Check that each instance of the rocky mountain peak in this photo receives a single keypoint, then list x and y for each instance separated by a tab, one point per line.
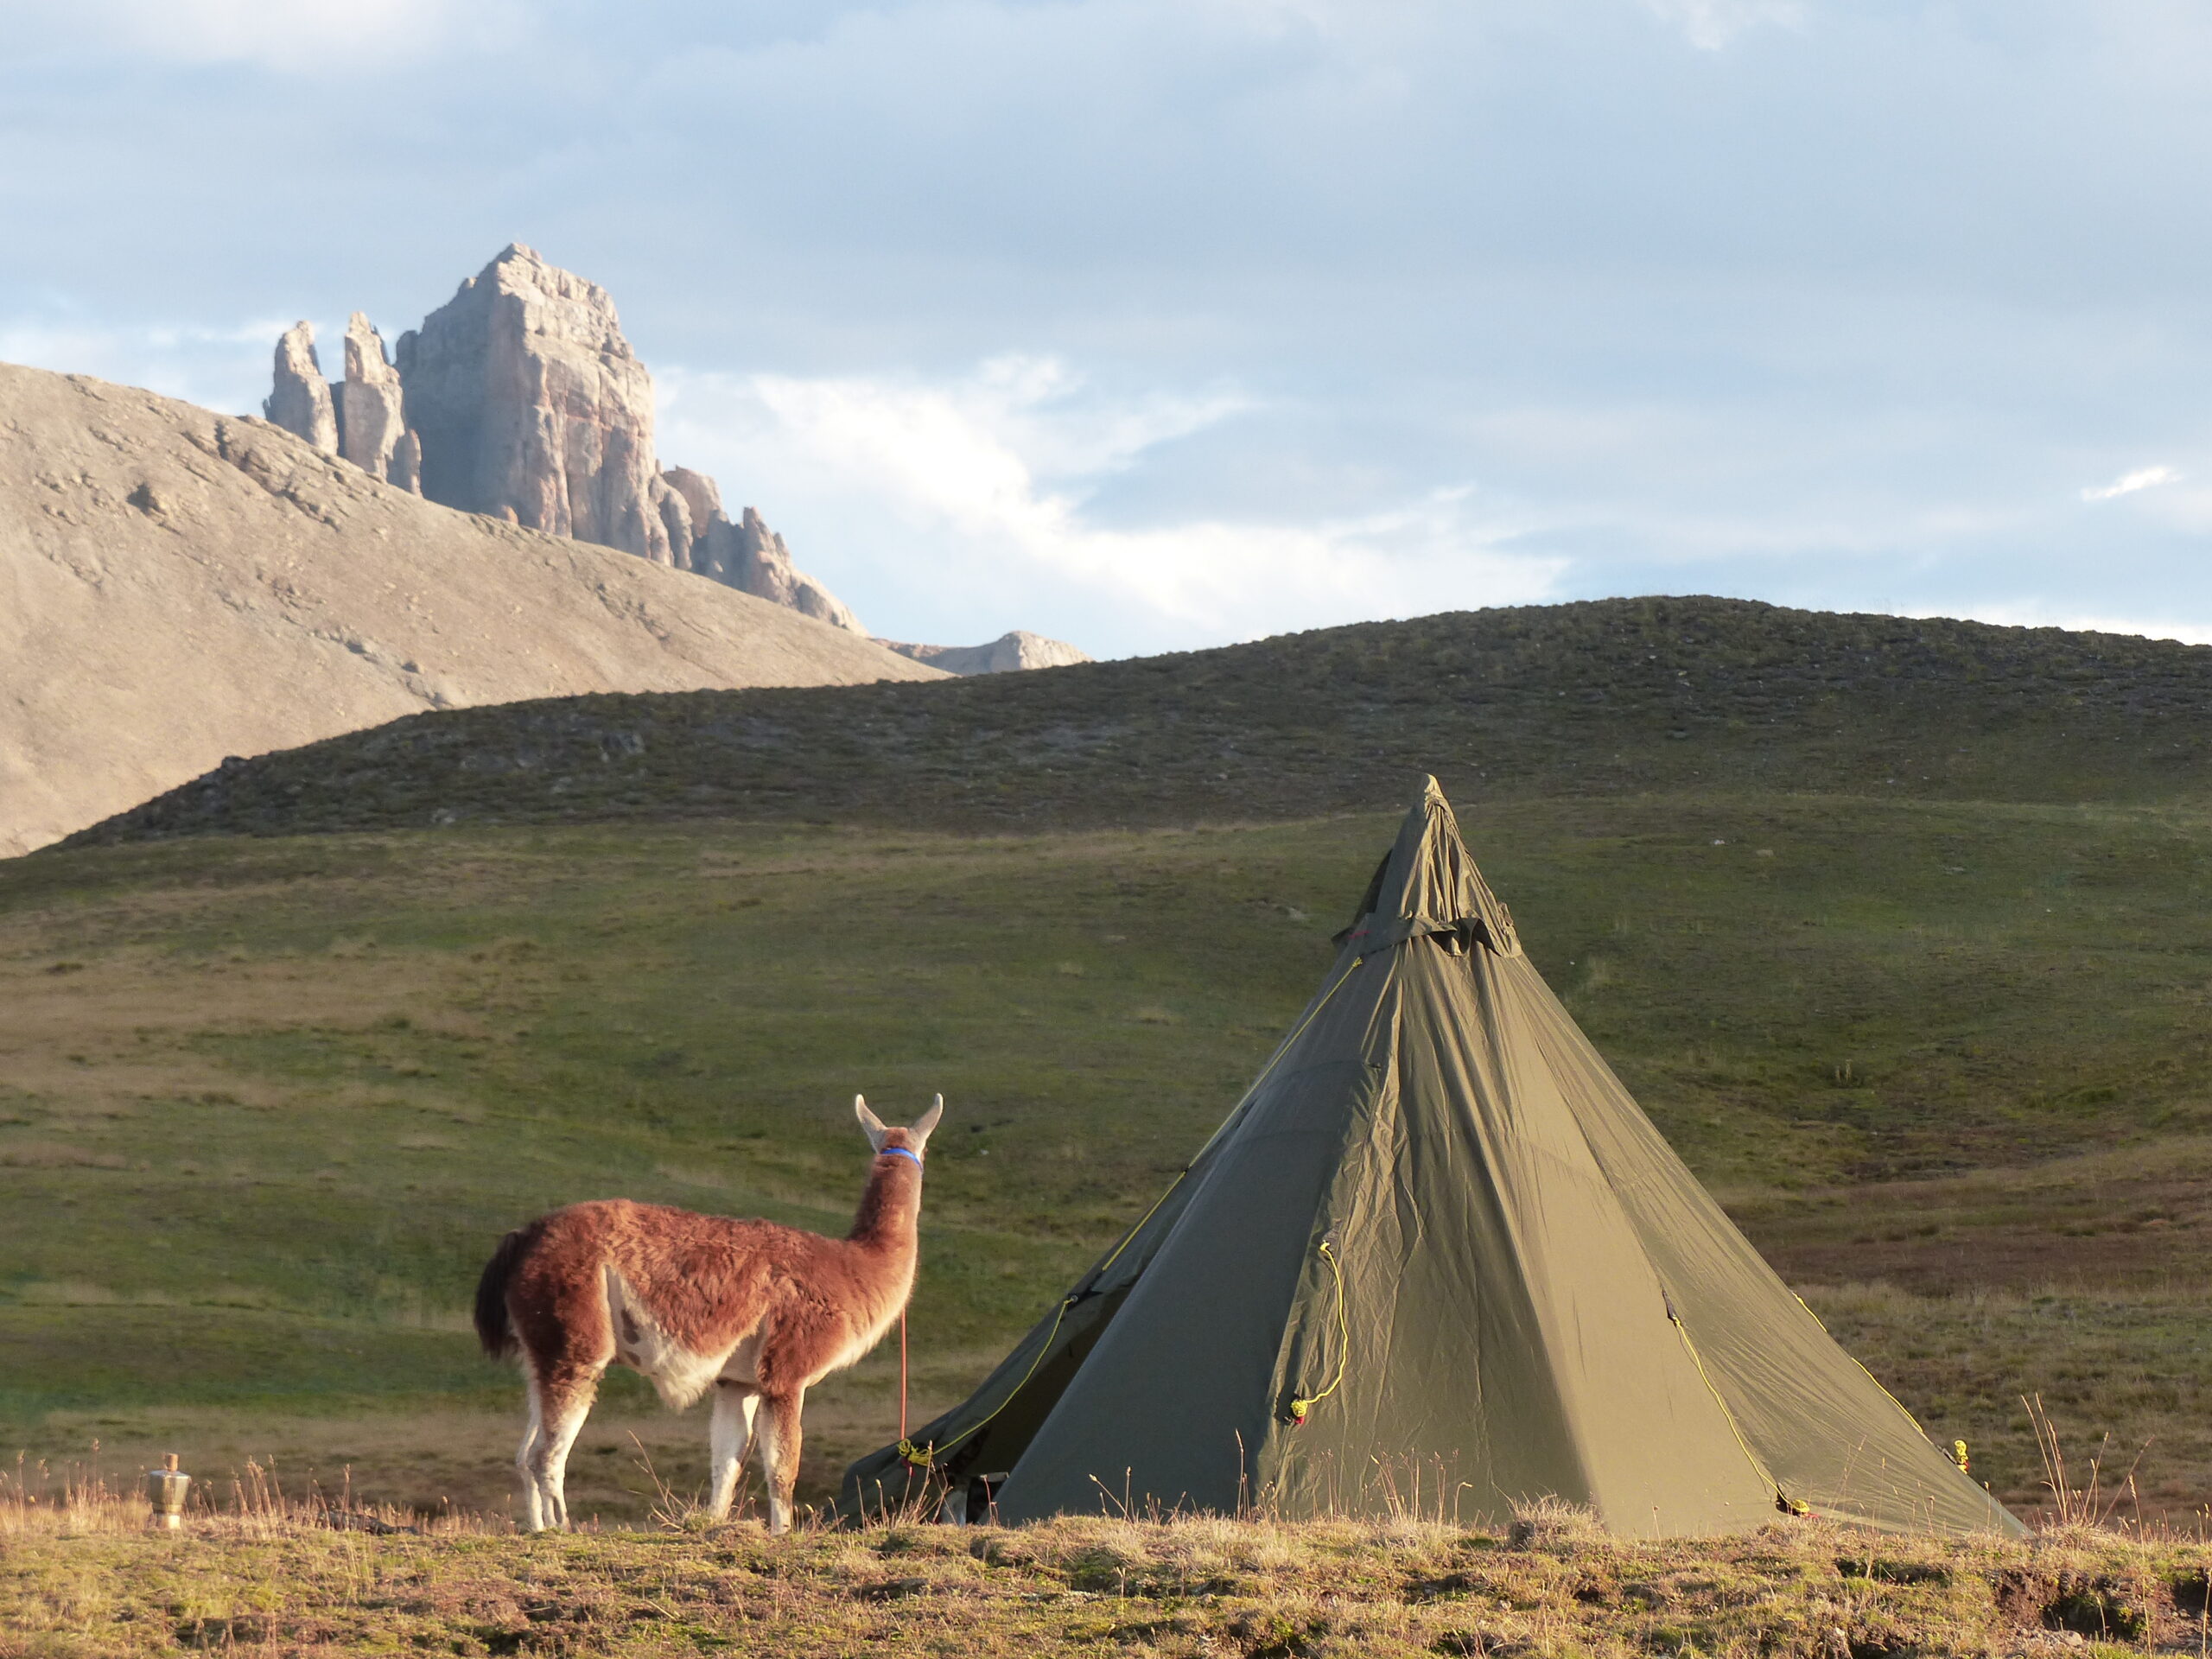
521	399
533	408
1006	654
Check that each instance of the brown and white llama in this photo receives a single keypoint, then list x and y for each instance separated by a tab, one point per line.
758	1312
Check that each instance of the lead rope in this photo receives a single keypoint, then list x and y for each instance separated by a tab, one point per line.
902	1376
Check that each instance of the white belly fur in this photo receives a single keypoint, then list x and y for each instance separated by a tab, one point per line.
678	1374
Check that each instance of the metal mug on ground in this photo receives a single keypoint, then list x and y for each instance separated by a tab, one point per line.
165	1488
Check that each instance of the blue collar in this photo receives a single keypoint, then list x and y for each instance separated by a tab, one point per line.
901	1151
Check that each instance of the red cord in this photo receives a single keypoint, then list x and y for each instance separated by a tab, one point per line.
902	1376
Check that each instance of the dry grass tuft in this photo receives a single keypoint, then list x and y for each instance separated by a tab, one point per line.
78	1500
1553	1523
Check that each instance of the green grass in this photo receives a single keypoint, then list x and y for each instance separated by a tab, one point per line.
266	1105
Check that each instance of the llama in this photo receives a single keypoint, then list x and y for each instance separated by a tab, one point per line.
758	1312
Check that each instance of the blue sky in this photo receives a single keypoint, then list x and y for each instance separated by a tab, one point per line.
1158	323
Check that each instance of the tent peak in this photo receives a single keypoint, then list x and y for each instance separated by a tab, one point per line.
1427	885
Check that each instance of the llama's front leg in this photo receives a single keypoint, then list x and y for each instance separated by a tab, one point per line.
729	1439
779	1449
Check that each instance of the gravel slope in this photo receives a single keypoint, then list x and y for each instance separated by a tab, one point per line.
177	586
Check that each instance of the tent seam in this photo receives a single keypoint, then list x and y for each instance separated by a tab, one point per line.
1765	1475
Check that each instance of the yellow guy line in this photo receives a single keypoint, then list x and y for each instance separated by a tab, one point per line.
1765	1475
1300	1407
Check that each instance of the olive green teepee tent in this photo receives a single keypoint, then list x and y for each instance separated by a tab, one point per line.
1436	1248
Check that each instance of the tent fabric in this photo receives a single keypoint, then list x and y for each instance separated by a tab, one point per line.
1436	1259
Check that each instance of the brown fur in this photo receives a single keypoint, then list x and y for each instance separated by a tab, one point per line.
759	1313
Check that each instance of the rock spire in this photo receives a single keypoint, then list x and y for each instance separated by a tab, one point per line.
299	401
370	422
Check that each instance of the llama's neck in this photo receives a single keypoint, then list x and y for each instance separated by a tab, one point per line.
891	1208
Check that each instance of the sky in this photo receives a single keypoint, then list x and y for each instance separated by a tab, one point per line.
1157	324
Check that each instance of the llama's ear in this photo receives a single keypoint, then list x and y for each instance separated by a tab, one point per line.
869	1122
927	1121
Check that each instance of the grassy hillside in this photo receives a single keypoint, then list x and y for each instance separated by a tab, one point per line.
1614	697
266	1104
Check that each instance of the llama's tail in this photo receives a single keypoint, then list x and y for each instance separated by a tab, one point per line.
494	1328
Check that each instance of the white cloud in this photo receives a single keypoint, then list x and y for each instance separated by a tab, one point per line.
991	480
974	448
1712	24
2143	478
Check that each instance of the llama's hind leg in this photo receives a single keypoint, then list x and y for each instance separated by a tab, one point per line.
533	1508
779	1450
730	1438
559	1410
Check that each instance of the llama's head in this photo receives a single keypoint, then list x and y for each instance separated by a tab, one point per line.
885	1138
